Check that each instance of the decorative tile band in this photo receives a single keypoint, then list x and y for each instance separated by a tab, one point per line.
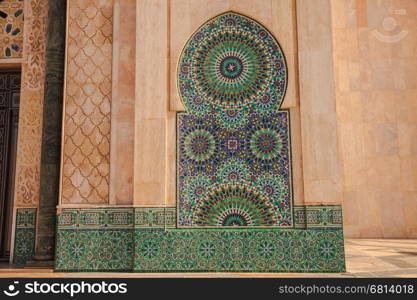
117	218
155	217
137	240
94	250
234	250
200	250
159	217
318	216
24	241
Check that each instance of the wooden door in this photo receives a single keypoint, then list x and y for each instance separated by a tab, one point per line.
9	116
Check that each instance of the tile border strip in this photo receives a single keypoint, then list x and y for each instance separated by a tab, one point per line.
25	231
128	217
329	216
319	217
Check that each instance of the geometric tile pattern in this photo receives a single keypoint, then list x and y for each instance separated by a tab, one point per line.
365	258
233	146
24	242
233	169
318	216
159	217
94	250
232	62
117	218
11	28
245	250
200	250
135	240
86	154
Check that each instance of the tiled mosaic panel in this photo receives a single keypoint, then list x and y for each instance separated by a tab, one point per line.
24	241
11	28
94	250
198	250
117	218
318	216
233	145
232	62
239	250
236	185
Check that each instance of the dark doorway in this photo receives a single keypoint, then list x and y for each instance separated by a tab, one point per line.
9	119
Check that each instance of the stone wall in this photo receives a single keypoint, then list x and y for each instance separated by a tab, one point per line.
123	102
92	218
87	112
31	104
375	53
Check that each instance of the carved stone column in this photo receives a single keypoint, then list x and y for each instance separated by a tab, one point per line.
51	135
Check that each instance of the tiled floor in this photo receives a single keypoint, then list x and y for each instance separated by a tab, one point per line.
364	258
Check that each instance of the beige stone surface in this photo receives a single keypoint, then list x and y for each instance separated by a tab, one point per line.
375	55
123	102
152	102
31	104
321	159
88	92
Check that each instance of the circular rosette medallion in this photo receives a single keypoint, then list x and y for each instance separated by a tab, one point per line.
233	170
200	145
234	205
267	249
209	250
233	118
149	249
327	248
232	62
234	68
266	144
